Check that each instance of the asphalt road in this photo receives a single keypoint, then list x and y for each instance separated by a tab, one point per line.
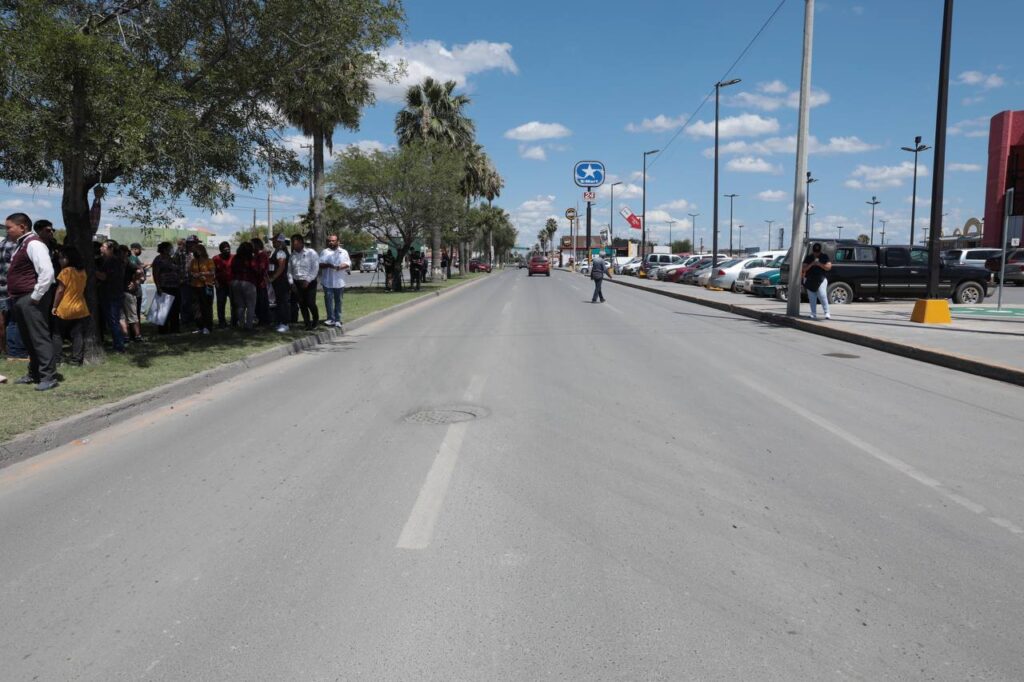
647	490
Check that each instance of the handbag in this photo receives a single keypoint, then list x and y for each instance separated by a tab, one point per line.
160	309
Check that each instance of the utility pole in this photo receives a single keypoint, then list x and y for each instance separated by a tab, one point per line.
800	185
740	228
643	209
770	223
270	222
730	197
611	214
883	230
714	237
807	228
670	224
874	202
939	160
693	228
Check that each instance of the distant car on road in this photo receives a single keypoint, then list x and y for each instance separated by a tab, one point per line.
477	265
539	265
369	264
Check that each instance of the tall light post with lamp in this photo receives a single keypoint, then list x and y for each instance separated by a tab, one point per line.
807	227
770	223
730	197
670	224
915	150
874	202
740	228
643	209
714	239
693	230
611	213
839	230
883	230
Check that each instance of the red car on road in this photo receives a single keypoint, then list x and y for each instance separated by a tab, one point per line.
539	265
477	265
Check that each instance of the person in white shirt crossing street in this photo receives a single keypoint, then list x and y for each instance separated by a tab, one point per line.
304	268
334	264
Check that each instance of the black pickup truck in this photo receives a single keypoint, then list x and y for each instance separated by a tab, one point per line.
869	271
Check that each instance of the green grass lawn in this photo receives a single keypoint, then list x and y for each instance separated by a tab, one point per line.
163	359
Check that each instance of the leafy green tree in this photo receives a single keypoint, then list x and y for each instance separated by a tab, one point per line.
434	113
343	40
399	196
682	246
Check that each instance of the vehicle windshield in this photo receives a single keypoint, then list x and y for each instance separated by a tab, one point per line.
728	263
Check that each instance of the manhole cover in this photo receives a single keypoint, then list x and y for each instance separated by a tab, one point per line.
445	415
842	356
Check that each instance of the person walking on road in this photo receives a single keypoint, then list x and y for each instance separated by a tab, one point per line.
815	275
334	263
304	267
598	271
30	287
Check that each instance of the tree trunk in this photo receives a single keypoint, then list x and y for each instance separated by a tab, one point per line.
435	254
75	210
319	198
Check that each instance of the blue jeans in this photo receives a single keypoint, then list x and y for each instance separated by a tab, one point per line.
332	300
821	293
112	313
15	346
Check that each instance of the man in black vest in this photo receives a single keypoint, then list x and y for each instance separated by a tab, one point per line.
30	286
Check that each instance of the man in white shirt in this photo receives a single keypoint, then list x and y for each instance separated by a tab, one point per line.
304	267
30	287
334	263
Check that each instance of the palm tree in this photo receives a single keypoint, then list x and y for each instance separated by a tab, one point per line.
434	113
550	227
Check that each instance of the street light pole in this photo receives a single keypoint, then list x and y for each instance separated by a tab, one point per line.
874	202
740	228
730	197
670	224
693	228
796	242
939	160
839	229
916	149
883	230
611	214
807	226
714	239
643	209
770	223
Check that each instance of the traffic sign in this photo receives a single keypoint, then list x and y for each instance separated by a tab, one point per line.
589	196
631	218
588	173
570	213
1015	242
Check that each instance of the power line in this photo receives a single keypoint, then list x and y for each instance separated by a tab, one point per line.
726	75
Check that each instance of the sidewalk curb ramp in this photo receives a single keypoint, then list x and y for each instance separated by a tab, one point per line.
68	429
960	363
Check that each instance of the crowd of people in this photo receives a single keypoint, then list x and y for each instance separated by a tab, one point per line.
43	291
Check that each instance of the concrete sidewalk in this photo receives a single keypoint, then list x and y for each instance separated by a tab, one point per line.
977	341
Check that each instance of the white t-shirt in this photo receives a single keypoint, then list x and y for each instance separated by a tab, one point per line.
329	278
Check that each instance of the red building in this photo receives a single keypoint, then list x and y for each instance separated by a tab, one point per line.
1005	171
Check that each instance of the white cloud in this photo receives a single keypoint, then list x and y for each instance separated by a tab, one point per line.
744	125
775	87
875	177
627	190
658	124
430	58
974	127
536	152
787	145
750	164
678	205
535	130
368	146
772	195
224	218
964	167
986	81
12	204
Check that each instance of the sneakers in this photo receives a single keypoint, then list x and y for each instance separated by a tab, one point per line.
828	316
282	328
206	331
26	380
329	323
47	385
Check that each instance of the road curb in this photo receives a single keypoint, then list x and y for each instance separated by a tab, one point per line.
68	429
960	363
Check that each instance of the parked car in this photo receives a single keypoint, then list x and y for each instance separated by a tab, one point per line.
691	276
893	271
745	280
539	265
725	273
477	265
1014	266
522	263
370	263
970	256
619	262
666	272
766	283
633	266
657	260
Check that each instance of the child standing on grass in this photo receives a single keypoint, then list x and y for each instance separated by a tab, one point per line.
69	304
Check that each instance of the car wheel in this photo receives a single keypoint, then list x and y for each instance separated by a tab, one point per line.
969	293
840	293
781	294
736	288
549	274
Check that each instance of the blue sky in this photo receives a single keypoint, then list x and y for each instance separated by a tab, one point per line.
552	83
